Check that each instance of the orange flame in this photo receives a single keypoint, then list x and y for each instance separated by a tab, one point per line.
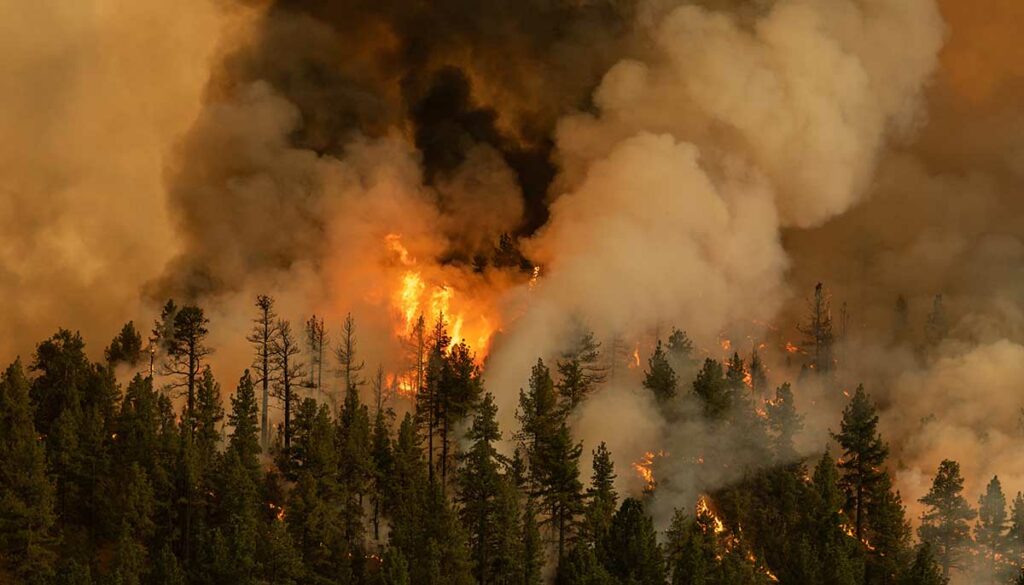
704	509
645	468
790	348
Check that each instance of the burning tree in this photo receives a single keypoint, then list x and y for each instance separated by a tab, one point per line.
818	331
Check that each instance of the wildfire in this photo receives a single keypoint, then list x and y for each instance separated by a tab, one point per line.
534	277
645	468
726	345
636	356
703	509
417	295
790	348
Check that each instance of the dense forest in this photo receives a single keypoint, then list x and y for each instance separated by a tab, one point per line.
172	478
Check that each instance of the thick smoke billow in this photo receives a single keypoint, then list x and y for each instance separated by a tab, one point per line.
699	164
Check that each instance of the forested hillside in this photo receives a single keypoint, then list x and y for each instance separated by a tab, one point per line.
174	477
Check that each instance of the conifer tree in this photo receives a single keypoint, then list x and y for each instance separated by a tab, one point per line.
126	347
1015	533
944	524
660	378
680	353
630	550
286	370
712	390
484	498
355	465
579	368
559	489
758	374
784	423
316	343
990	530
818	336
186	351
458	392
347	354
26	495
863	457
261	338
601	497
924	570
382	467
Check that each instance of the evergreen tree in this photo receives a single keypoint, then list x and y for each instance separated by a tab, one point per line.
458	392
818	331
862	461
582	567
990	530
579	369
1015	533
261	337
630	550
680	353
126	347
485	498
924	570
286	371
784	423
944	525
659	378
601	498
186	351
26	495
758	374
383	463
712	390
349	368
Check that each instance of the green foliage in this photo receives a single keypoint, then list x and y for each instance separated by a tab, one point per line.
944	525
26	495
659	377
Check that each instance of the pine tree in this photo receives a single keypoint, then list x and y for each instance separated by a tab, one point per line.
349	368
186	351
161	337
832	551
630	550
559	489
458	392
660	378
579	369
990	530
758	374
126	347
818	331
944	524
1015	533
784	423
712	391
316	344
355	465
582	567
286	371
483	496
924	570
680	353
601	497
26	495
862	460
260	337
244	438
382	467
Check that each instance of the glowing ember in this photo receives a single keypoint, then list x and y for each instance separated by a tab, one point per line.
726	345
790	348
534	277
